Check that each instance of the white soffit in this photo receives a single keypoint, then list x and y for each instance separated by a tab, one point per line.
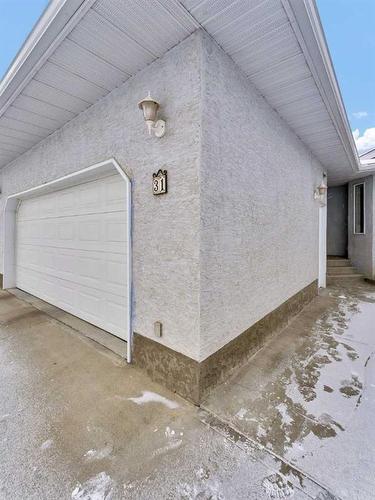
82	49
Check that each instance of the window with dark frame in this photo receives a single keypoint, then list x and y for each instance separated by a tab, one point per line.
359	208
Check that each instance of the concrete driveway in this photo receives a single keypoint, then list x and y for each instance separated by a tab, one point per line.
76	422
309	396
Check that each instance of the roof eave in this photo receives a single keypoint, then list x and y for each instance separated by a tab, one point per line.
61	16
57	20
305	20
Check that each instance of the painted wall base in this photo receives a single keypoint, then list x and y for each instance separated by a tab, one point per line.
193	380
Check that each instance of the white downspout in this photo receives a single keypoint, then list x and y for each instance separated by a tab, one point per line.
129	343
322	278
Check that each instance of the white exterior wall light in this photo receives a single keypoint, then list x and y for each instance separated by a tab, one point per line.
320	191
150	112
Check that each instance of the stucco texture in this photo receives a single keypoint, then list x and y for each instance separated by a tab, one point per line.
237	234
361	247
259	220
165	228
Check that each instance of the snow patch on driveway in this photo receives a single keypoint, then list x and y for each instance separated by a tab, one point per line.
99	487
153	397
278	487
95	454
46	444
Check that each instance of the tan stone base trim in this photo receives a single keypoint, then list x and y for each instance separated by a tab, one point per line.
172	369
193	380
217	367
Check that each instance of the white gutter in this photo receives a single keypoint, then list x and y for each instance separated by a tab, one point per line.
56	22
367	165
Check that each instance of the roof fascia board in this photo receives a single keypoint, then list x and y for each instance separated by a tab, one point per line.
56	22
304	18
368	163
370	154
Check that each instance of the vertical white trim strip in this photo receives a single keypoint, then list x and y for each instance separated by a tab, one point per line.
322	272
322	246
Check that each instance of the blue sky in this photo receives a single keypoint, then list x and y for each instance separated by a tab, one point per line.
349	28
17	18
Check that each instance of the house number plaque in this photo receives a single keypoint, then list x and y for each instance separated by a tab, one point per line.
159	182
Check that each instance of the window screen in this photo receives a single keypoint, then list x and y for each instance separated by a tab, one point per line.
359	208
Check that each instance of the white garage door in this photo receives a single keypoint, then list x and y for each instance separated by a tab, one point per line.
71	251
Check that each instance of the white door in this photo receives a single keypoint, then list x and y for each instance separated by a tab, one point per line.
71	251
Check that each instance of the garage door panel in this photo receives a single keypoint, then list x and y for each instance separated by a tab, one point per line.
77	260
66	231
36	284
98	232
97	307
106	195
87	267
114	195
115	312
99	270
89	230
115	270
115	231
90	303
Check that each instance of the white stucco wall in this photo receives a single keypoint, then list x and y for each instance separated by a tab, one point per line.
237	233
361	247
259	221
165	248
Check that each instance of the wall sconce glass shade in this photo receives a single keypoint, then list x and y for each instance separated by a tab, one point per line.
322	189
150	108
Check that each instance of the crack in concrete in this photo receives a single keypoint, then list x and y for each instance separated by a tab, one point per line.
347	339
231	433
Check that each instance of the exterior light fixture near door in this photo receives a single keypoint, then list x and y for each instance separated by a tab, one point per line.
320	191
150	108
